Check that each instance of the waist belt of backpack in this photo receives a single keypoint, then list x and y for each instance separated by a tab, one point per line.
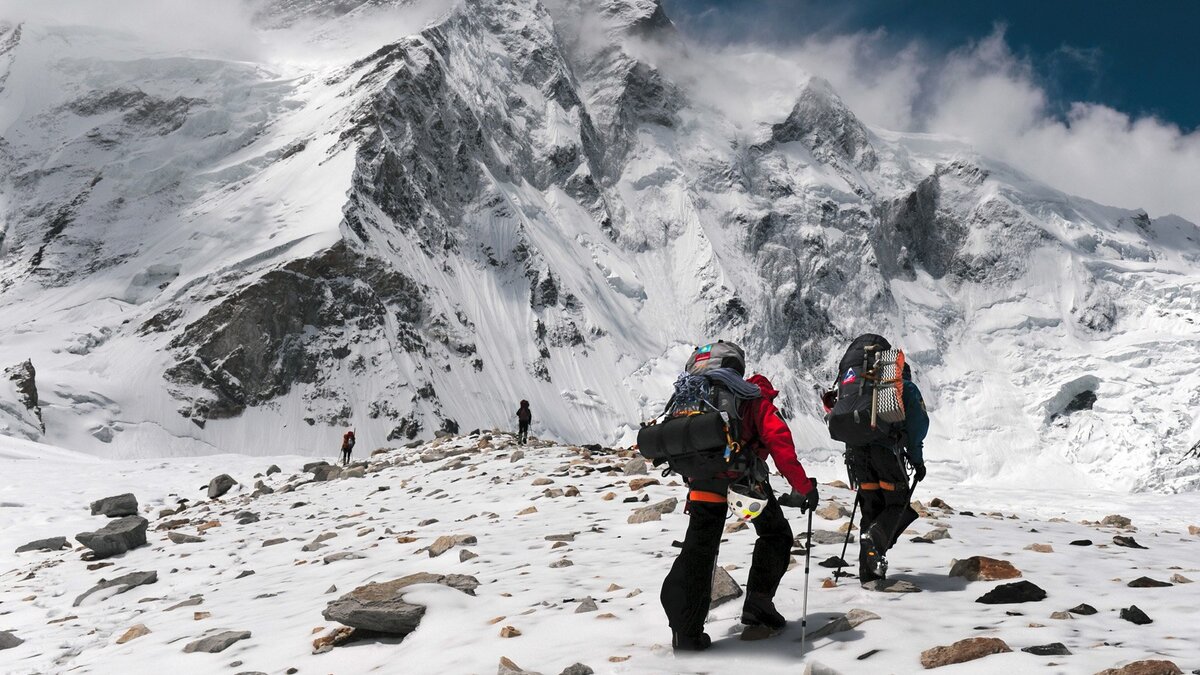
705	496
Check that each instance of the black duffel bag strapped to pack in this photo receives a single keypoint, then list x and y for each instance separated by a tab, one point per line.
692	445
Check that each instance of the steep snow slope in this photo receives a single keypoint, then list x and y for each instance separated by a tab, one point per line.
524	583
405	217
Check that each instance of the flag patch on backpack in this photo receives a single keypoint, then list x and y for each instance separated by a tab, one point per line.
851	377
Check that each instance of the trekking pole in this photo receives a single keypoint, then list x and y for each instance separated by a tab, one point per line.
845	544
807	560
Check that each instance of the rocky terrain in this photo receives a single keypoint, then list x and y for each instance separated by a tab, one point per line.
406	216
470	554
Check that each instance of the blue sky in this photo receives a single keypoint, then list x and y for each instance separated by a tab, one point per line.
1099	99
1138	57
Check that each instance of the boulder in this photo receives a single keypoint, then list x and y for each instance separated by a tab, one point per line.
326	472
1008	594
51	544
980	568
1147	667
381	606
8	640
724	588
118	536
122	584
963	651
635	467
218	642
218	486
312	466
116	507
355	472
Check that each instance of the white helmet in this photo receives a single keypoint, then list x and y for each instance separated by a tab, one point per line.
746	501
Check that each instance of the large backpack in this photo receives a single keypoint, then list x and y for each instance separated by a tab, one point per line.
870	402
700	435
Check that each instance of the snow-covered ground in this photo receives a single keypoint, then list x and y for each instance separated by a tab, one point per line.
480	491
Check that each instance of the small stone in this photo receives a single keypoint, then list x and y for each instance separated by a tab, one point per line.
122	583
204	527
343	555
200	616
587	605
937	534
133	633
527	510
273	469
635	466
466	554
559	564
833	511
516	456
828	583
427	521
1061	615
542	481
963	651
1147	582
8	640
736	526
891	586
571	491
273	542
1052	649
1133	614
848	621
639	483
181	538
724	588
1082	542
838	484
382	606
190	602
216	643
1127	542
338	636
1147	667
331	589
577	669
1180	579
1194	530
1040	548
1083	610
608	497
653	511
509	632
1116	521
613	587
1021	591
51	544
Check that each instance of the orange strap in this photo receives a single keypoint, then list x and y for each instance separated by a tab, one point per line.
702	496
868	486
887	486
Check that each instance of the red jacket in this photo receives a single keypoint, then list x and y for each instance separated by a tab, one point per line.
765	432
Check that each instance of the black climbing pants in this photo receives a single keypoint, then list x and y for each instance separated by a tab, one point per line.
345	457
522	432
882	493
687	590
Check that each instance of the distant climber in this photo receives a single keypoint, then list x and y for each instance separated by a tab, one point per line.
880	415
717	433
524	417
347	446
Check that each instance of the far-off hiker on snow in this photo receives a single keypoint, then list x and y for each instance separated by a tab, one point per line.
717	433
524	417
879	413
347	446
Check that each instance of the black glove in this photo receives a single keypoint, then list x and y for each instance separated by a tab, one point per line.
810	498
920	472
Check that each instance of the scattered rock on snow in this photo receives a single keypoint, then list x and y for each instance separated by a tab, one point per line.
218	486
1040	548
639	483
381	606
963	651
891	586
273	469
122	583
326	472
116	507
8	640
133	633
1133	614
509	632
1180	579
981	568
507	667
833	511
118	536
1004	594
587	605
1083	609
1116	521
51	544
1147	582
1082	542
1148	667
344	555
653	511
845	622
724	588
447	542
181	538
466	554
635	467
1127	542
218	642
1052	649
559	564
577	669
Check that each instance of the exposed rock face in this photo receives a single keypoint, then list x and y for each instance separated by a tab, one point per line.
963	651
117	537
115	507
24	380
381	607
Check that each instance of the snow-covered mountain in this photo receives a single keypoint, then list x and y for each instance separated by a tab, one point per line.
404	217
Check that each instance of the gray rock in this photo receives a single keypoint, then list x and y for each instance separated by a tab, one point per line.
845	622
216	643
344	555
937	534
516	456
220	485
507	667
653	511
51	544
381	607
577	669
635	467
891	586
824	537
247	517
326	472
119	536
587	605
466	554
116	507
313	466
724	588
122	583
275	541
181	538
355	472
190	602
8	640
273	469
